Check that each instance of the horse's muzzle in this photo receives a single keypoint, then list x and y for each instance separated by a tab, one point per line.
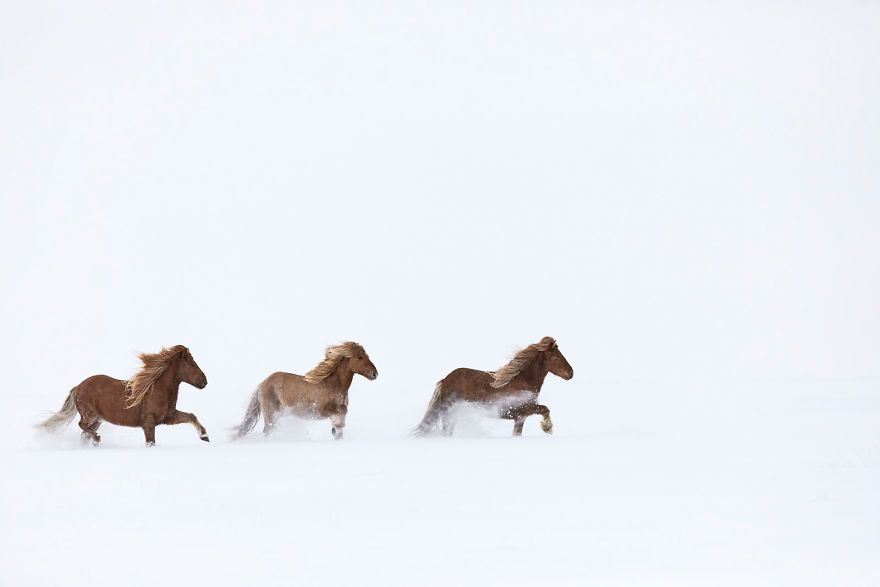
203	384
373	375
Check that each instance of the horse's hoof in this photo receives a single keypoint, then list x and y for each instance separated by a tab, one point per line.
149	444
205	438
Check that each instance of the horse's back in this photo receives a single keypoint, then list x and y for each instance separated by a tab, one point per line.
468	384
280	378
99	384
464	373
281	382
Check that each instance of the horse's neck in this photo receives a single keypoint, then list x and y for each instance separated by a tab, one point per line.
531	377
341	377
169	382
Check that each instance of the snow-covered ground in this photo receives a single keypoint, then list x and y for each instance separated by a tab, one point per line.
766	483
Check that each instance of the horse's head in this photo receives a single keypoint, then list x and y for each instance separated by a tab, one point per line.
361	364
189	372
555	362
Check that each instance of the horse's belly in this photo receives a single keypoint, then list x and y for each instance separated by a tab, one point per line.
508	400
306	410
112	409
308	404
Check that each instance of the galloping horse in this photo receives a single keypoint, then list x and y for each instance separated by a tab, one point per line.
144	401
320	393
512	391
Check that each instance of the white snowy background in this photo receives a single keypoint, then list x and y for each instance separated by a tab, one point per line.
685	195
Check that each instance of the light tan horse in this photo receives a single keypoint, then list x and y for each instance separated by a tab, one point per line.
320	393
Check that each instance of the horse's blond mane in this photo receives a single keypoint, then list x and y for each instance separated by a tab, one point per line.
137	388
505	374
332	356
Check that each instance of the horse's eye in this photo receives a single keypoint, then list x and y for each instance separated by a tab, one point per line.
360	358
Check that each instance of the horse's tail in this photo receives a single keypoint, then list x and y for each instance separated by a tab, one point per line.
250	417
59	420
432	415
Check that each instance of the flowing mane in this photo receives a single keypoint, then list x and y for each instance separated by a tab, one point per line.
137	388
505	374
332	356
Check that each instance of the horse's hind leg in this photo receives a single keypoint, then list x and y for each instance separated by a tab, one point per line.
447	426
89	425
270	419
271	407
89	419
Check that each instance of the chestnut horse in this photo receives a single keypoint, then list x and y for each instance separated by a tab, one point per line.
144	401
511	392
320	393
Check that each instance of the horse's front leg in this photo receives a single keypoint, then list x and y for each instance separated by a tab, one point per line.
149	426
520	414
337	418
546	423
179	417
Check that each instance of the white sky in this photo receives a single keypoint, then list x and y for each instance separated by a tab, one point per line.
674	191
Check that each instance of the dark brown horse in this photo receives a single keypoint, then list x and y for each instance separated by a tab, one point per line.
320	393
144	401
511	392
